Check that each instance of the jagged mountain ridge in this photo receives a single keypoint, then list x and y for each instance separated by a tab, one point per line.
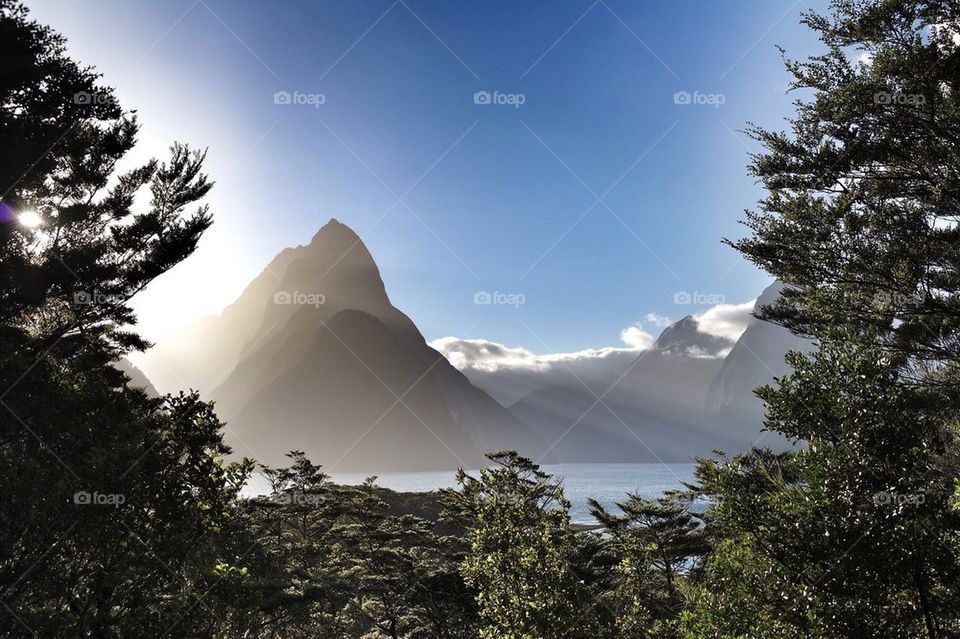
756	359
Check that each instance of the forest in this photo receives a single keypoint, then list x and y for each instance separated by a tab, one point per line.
121	514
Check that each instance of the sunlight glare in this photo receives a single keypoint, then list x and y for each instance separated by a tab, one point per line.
30	219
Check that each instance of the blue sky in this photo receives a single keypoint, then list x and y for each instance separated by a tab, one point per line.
492	197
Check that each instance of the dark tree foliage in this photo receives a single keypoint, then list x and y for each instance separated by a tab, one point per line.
660	545
853	533
114	504
332	561
860	220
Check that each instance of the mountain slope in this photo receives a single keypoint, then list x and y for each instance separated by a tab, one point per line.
653	412
313	356
756	359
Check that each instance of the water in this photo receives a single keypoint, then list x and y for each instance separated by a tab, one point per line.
607	483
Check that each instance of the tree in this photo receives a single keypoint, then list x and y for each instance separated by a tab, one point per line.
116	516
854	534
520	548
659	544
334	561
863	196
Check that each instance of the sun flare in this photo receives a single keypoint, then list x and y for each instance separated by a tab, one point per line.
30	219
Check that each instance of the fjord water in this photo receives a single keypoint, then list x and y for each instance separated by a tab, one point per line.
607	483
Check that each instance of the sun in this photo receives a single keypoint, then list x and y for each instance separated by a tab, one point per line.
30	219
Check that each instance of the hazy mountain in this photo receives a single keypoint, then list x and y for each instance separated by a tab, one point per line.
688	394
651	412
756	358
137	377
313	356
686	338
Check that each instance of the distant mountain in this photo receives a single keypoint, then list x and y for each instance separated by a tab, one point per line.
652	412
313	356
756	359
137	378
690	393
686	338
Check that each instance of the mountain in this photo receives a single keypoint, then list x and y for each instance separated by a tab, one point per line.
688	394
137	377
756	359
313	356
652	412
686	338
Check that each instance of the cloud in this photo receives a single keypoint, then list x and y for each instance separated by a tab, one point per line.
726	320
486	355
511	372
637	338
660	321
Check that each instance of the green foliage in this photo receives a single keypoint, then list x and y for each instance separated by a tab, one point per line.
863	194
854	533
520	549
117	507
660	546
333	561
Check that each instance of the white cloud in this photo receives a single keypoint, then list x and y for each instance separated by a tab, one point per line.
637	338
510	372
726	320
660	321
485	355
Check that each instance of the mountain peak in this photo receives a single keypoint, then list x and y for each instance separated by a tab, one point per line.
335	232
770	295
685	338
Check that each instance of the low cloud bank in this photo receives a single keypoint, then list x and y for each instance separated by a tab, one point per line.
508	373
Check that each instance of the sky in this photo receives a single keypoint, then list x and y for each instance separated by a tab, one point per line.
573	163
